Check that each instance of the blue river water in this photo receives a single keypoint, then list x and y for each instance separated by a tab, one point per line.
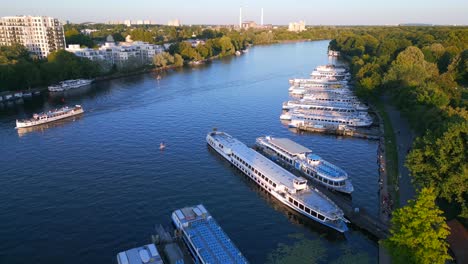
82	190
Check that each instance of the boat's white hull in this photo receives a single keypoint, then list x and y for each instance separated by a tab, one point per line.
69	87
48	120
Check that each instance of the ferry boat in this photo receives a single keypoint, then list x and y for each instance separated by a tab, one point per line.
331	97
331	72
69	84
43	118
312	165
299	117
147	254
313	82
301	91
290	190
324	105
333	53
205	239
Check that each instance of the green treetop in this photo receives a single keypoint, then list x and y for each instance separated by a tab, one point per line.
419	231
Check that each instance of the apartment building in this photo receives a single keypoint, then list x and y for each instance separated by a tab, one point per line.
119	53
41	35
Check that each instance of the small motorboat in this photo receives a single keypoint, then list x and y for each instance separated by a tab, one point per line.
162	146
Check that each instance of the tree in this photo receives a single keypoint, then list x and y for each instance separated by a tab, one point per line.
225	45
418	232
159	60
178	60
410	68
440	161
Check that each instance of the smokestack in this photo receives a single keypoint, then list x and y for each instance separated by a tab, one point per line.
261	20
240	17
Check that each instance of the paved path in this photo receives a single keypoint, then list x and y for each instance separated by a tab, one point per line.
404	137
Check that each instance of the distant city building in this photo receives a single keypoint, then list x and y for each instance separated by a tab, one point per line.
249	24
119	53
297	26
41	35
175	23
127	23
139	22
146	22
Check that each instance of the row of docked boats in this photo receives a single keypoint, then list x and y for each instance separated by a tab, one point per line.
13	96
324	101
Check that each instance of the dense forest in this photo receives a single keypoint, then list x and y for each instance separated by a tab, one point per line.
425	71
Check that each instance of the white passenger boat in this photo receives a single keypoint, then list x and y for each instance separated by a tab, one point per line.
301	90
333	53
300	117
330	72
331	97
302	159
69	84
51	116
288	189
324	105
314	82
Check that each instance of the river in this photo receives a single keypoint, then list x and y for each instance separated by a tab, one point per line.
85	189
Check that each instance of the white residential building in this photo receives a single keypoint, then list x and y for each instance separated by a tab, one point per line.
297	26
175	23
119	53
41	35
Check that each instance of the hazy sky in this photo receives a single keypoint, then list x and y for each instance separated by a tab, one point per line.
336	12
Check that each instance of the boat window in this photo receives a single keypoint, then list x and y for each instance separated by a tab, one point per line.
314	213
274	185
295	203
321	217
301	206
290	200
307	210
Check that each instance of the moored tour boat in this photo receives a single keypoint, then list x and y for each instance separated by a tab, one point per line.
69	84
302	159
50	116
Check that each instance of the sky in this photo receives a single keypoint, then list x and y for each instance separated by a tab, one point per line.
324	12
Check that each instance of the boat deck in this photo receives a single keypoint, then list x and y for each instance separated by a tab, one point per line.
209	240
266	166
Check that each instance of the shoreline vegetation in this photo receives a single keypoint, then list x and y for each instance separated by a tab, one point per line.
424	71
19	71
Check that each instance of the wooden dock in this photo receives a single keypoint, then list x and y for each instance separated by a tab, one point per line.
358	218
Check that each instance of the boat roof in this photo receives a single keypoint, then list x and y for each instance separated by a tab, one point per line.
289	145
147	254
206	235
320	202
262	164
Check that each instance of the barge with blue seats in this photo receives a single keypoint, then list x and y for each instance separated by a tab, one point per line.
207	242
